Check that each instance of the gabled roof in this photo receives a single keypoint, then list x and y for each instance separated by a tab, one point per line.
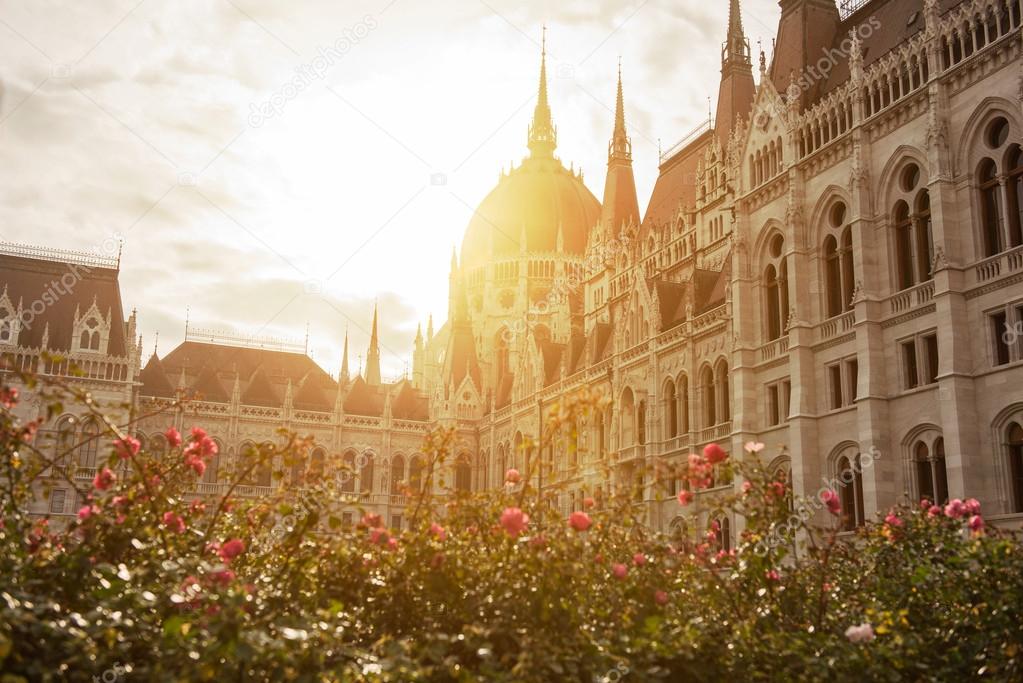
363	399
410	404
551	354
314	394
154	380
260	391
208	387
29	279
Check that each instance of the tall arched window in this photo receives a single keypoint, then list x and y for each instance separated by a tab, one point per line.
212	472
317	466
628	418
683	401
833	276
641	423
264	472
1014	187
710	415
924	238
65	441
348	472
776	290
670	410
1015	444
723	394
850	491
721	527
89	443
397	474
601	435
415	474
990	207
931	476
483	471
463	474
367	473
904	246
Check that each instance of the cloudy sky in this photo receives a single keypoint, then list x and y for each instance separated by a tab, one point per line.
273	165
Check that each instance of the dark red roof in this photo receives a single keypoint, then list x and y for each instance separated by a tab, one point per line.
30	280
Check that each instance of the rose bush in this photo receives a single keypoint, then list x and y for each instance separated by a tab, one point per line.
152	581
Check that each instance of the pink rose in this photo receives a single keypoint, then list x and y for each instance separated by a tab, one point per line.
933	511
971	506
639	559
772	575
198	433
392	543
378	536
222	577
955	509
173	437
512	476
660	597
619	570
438	531
685	497
86	512
231	549
173	521
754	446
372	521
588	503
893	520
197	465
831	500
514	521
747	486
580	521
128	447
976	523
104	479
9	397
714	454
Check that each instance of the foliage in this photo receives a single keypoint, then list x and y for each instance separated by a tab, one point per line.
150	582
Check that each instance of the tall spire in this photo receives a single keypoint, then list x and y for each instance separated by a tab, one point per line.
621	145
736	48
543	136
621	205
345	376
373	355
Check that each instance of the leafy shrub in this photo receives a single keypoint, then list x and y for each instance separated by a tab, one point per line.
151	583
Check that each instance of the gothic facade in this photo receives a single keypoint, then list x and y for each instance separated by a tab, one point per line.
833	264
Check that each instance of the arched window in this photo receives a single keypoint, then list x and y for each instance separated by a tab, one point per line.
721	527
990	207
924	238
931	476
683	407
1015	443
463	474
850	491
670	410
710	416
599	426
483	470
158	446
776	290
723	394
264	471
833	276
781	471
211	474
366	474
641	423
773	311
397	474
839	273
65	441
628	418
348	472
904	246
89	443
415	475
1014	185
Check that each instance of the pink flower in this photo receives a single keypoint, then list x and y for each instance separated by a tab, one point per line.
86	512
128	447
660	597
714	454
925	504
747	486
222	577
372	521
893	520
933	511
772	575
9	397
198	433
831	500
777	488
588	503
639	559
438	531
754	446
619	570
173	521
512	476
971	506
976	523
685	497
392	543
104	479
955	509
378	536
514	521
580	521
197	465
173	437
864	633
231	549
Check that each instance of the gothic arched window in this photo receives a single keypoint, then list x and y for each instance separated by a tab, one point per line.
776	290
1015	443
990	207
366	474
839	276
415	474
850	491
1014	185
397	474
90	443
670	410
348	472
931	476
710	415
463	474
922	228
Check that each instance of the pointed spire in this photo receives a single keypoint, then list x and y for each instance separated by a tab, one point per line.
345	376
429	328
621	146
736	48
543	136
373	355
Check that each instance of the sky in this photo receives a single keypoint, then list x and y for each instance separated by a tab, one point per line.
273	167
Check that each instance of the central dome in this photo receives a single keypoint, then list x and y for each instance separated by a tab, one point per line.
534	201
